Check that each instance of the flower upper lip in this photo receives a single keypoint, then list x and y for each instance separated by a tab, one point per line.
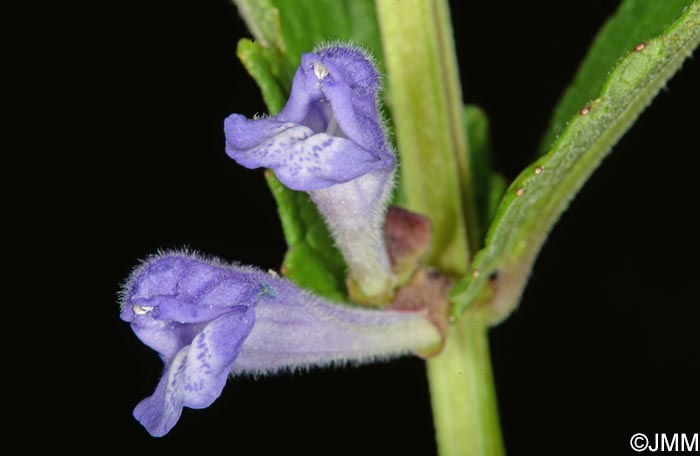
329	132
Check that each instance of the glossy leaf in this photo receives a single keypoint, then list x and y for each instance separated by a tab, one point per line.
540	194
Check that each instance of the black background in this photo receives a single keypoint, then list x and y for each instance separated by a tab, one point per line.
124	155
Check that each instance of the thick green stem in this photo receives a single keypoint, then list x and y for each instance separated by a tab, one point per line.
426	105
462	392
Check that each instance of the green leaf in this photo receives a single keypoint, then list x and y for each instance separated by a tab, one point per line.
479	146
426	105
312	260
263	21
263	66
634	22
537	197
497	188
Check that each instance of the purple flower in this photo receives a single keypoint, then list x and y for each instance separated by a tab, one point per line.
207	320
330	141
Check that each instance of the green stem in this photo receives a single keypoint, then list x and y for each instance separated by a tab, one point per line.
462	392
426	103
426	106
457	129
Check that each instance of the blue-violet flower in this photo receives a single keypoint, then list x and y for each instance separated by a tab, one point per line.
329	140
207	320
